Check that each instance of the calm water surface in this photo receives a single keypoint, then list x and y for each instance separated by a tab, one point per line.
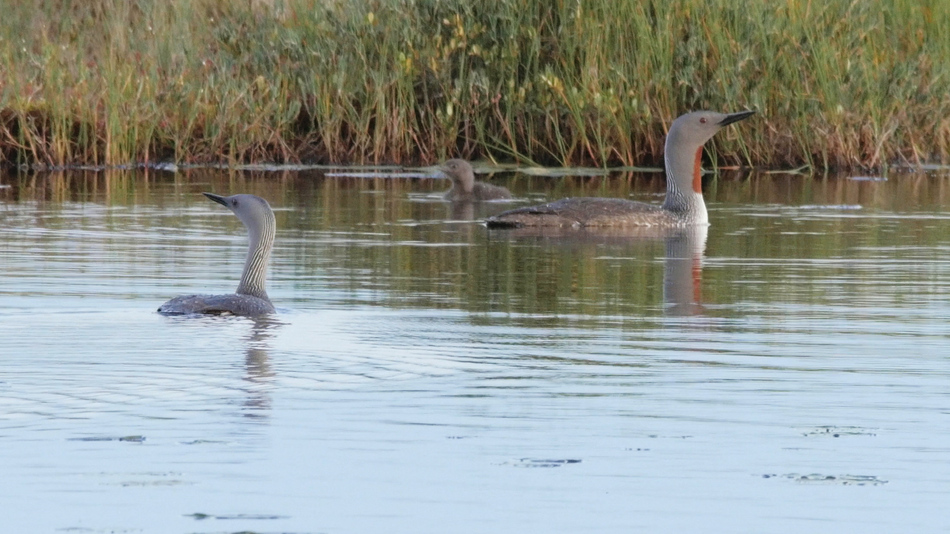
787	371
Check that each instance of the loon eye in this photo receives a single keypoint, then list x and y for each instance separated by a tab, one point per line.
234	203
702	120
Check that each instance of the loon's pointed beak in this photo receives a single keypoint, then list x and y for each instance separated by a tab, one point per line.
217	198
736	117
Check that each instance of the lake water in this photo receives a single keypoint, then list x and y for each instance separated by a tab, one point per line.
789	371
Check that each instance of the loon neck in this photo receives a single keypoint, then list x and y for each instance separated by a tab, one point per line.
466	182
254	278
684	186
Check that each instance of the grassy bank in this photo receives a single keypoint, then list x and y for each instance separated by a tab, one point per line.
594	82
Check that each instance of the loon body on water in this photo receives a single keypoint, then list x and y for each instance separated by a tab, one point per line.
683	206
251	297
464	186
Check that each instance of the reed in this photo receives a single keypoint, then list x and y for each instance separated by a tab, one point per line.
595	82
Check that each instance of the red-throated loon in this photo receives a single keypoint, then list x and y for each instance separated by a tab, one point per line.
683	206
464	186
251	297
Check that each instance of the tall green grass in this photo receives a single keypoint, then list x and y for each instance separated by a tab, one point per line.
594	82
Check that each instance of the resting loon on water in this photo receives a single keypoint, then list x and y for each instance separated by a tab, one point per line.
683	206
464	186
251	297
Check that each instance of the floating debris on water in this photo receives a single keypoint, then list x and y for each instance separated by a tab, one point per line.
153	483
167	166
144	479
536	462
829	207
867	178
838	431
379	174
557	172
923	167
836	480
259	517
797	170
132	439
106	530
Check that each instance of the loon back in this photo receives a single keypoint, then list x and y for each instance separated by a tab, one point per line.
244	305
480	192
584	212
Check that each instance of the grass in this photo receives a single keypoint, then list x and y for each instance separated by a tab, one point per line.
838	84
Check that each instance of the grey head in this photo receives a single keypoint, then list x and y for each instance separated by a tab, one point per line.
697	127
461	173
683	156
253	210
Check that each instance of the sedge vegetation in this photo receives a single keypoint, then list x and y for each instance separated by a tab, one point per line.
837	83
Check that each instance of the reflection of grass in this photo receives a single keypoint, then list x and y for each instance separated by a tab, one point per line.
837	83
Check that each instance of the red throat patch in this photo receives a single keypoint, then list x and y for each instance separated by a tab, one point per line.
697	173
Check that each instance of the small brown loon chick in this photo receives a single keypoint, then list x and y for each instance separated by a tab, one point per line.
251	299
683	206
464	186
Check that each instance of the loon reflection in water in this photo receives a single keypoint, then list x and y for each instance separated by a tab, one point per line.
682	264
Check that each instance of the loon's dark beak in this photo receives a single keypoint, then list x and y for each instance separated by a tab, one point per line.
217	198
732	117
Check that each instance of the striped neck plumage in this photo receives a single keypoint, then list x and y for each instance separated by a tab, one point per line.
260	243
684	193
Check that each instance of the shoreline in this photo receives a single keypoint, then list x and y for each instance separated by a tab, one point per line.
837	86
